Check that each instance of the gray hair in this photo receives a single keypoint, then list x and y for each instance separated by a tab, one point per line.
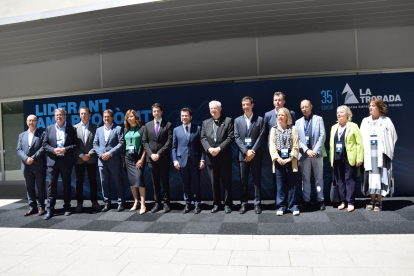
310	104
214	102
347	111
60	110
31	116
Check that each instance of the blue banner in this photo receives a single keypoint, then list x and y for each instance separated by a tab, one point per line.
325	93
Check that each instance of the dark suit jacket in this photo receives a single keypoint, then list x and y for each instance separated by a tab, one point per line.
88	146
270	120
225	136
114	146
256	132
160	145
184	149
50	143
35	150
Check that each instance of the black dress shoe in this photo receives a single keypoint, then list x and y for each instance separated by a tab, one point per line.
197	209
243	209
106	208
322	206
156	208
227	209
30	212
120	208
304	205
215	209
257	209
49	215
166	208
186	209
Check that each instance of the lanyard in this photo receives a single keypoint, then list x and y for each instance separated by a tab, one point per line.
129	134
284	138
60	133
340	133
307	128
247	128
374	128
215	127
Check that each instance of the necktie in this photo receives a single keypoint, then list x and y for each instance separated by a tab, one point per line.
186	130
156	129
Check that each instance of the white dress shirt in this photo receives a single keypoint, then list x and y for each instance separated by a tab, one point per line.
248	120
60	135
107	131
31	135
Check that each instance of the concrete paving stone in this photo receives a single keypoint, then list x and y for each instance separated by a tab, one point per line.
276	229
53	250
208	218
380	259
15	247
110	253
22	236
342	271
208	270
318	216
314	244
145	217
148	255
320	259
278	236
236	217
351	244
115	216
191	243
166	227
201	228
393	243
202	257
36	265
273	271
72	224
397	271
263	258
89	267
60	237
132	226
100	238
152	269
176	217
144	242
238	228
7	261
100	225
242	244
208	236
272	218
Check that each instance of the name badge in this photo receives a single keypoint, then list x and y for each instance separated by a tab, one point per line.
59	143
338	147
285	152
374	140
131	149
307	139
248	141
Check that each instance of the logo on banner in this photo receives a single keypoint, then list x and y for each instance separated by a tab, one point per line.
350	96
366	95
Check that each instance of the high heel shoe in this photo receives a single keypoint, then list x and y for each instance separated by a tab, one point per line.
133	208
143	211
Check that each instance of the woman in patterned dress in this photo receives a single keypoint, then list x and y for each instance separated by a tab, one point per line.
379	137
284	151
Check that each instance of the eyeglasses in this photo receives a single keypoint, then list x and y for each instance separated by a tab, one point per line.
305	107
31	121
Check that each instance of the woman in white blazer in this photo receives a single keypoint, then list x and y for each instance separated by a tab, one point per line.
379	138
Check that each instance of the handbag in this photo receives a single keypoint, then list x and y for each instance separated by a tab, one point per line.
334	195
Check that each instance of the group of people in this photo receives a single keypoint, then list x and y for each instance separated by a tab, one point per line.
292	144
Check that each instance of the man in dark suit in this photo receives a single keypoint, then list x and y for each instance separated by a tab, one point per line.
248	133
270	120
189	156
157	142
30	150
86	159
217	134
60	143
108	145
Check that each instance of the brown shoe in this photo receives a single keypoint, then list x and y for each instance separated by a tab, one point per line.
41	212
30	212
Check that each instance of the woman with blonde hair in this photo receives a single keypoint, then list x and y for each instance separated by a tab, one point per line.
346	154
284	151
134	157
379	136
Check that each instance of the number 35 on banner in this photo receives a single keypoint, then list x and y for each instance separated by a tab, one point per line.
327	96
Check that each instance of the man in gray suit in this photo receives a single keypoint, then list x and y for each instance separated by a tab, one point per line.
30	150
85	159
311	131
108	144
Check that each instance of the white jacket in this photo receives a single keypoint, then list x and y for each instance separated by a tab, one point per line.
387	137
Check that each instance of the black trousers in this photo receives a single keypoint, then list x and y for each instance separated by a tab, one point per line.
65	172
91	168
221	170
256	168
35	178
345	175
160	172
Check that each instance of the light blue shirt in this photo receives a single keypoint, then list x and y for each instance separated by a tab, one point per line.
60	134
107	131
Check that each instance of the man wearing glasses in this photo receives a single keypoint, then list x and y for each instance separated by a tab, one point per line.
30	150
311	131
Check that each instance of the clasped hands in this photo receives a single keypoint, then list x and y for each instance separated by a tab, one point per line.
283	161
214	151
29	161
86	157
59	151
155	157
250	154
105	156
177	165
311	153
